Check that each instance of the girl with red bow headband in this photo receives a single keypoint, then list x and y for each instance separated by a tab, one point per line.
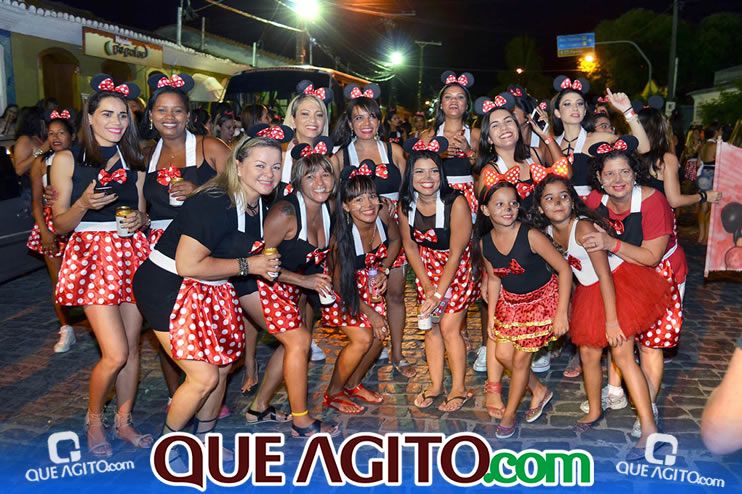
366	239
605	310
645	234
527	302
440	256
359	135
569	110
99	265
43	240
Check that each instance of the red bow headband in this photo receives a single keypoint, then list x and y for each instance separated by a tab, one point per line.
320	148
568	84
602	100
560	168
108	85
275	133
438	144
421	145
357	93
321	93
543	105
484	105
452	79
491	177
364	170
515	91
606	148
174	81
64	114
562	83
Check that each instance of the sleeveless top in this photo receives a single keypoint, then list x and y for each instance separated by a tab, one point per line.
629	229
433	232
525	191
457	168
82	175
521	270
581	164
386	187
297	254
47	170
363	258
157	194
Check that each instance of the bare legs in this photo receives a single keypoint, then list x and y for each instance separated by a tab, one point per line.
396	314
519	365
53	264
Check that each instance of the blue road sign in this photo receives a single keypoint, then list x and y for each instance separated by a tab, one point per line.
570	45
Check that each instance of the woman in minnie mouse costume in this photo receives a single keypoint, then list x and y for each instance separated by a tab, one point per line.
184	291
645	234
534	137
440	256
451	116
298	225
357	134
98	266
367	241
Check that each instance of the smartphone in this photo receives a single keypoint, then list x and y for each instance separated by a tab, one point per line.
535	117
106	189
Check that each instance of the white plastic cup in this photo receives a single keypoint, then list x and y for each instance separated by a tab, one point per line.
424	323
327	298
173	201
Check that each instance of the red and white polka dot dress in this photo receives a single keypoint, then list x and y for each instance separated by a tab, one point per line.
206	323
465	291
98	268
280	304
34	239
665	333
154	235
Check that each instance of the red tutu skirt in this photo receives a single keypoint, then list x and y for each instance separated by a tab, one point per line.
206	323
525	319
467	188
280	304
98	268
641	297
665	332
465	290
154	236
34	239
336	315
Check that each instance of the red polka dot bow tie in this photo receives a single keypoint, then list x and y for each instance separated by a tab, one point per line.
382	171
490	177
574	262
560	168
357	93
65	114
119	176
108	85
166	175
320	148
275	133
618	226
288	189
375	257
362	170
603	100
462	79
619	145
428	236
513	268
317	256
567	83
173	81
523	189
319	92
421	145
257	247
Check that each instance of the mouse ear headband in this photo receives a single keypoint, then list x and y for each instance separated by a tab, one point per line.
184	82
353	91
103	83
625	145
367	168
563	82
322	146
484	105
438	144
323	93
61	113
280	133
465	79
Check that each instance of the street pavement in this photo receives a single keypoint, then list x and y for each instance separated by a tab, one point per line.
42	392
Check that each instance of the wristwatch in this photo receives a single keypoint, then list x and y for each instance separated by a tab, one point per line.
385	270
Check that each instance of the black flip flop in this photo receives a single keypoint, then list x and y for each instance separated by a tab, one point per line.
266	416
310	430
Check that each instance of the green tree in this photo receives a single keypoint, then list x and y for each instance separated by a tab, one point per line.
727	108
718	41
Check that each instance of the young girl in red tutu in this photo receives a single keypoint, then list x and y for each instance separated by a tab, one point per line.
605	307
527	302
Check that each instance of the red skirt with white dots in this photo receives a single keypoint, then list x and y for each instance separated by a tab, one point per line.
206	323
525	319
280	304
154	235
336	315
98	268
34	239
465	290
665	332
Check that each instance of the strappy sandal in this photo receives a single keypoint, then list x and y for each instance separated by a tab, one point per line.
506	431
404	368
143	441
425	397
175	459
494	388
336	402
463	398
227	454
270	414
356	393
534	413
101	449
312	429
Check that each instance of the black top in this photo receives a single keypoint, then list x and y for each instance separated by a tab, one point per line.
389	185
629	229
423	224
456	167
535	271
211	219
656	184
295	251
158	196
581	169
85	172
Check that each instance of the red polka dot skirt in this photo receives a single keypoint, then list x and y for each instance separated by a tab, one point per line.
525	319
467	188
665	333
98	268
154	236
465	290
206	323
280	304
34	239
336	315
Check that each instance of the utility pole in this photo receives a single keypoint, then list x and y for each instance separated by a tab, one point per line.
671	71
422	45
179	24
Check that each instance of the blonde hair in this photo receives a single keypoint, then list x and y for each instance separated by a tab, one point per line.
228	181
306	165
290	119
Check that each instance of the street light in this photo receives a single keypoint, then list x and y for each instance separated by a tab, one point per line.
520	70
396	58
307	10
589	58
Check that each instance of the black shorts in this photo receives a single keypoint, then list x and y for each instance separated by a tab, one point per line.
156	290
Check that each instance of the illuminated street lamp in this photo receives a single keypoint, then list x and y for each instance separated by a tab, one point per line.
520	70
588	63
590	58
396	58
307	10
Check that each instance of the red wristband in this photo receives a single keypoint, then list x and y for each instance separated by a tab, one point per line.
616	247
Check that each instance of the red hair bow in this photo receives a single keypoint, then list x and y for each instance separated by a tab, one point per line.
462	79
513	268
317	256
433	145
428	236
574	262
617	226
568	84
382	171
257	247
619	145
603	99
320	92
174	81
288	189
543	105
166	175
320	148
491	177
523	189
362	170
560	168
108	85
65	114
515	91
357	93
374	258
275	133
119	176
498	102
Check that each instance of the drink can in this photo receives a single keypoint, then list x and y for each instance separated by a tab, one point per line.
122	212
173	201
269	251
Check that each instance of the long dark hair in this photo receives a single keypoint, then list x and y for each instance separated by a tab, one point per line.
556	121
487	151
579	208
597	163
128	145
407	193
251	115
30	122
440	117
658	131
342	134
345	250
199	119
149	131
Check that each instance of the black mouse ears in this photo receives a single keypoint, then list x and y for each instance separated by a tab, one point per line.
184	82
484	105
307	87
322	146
280	133
104	83
563	82
438	144
625	144
465	79
353	91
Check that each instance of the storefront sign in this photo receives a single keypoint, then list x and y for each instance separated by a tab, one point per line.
106	45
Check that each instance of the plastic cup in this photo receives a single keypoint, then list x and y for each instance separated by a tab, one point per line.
326	298
424	323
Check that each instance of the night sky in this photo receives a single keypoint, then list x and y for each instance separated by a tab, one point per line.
473	33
